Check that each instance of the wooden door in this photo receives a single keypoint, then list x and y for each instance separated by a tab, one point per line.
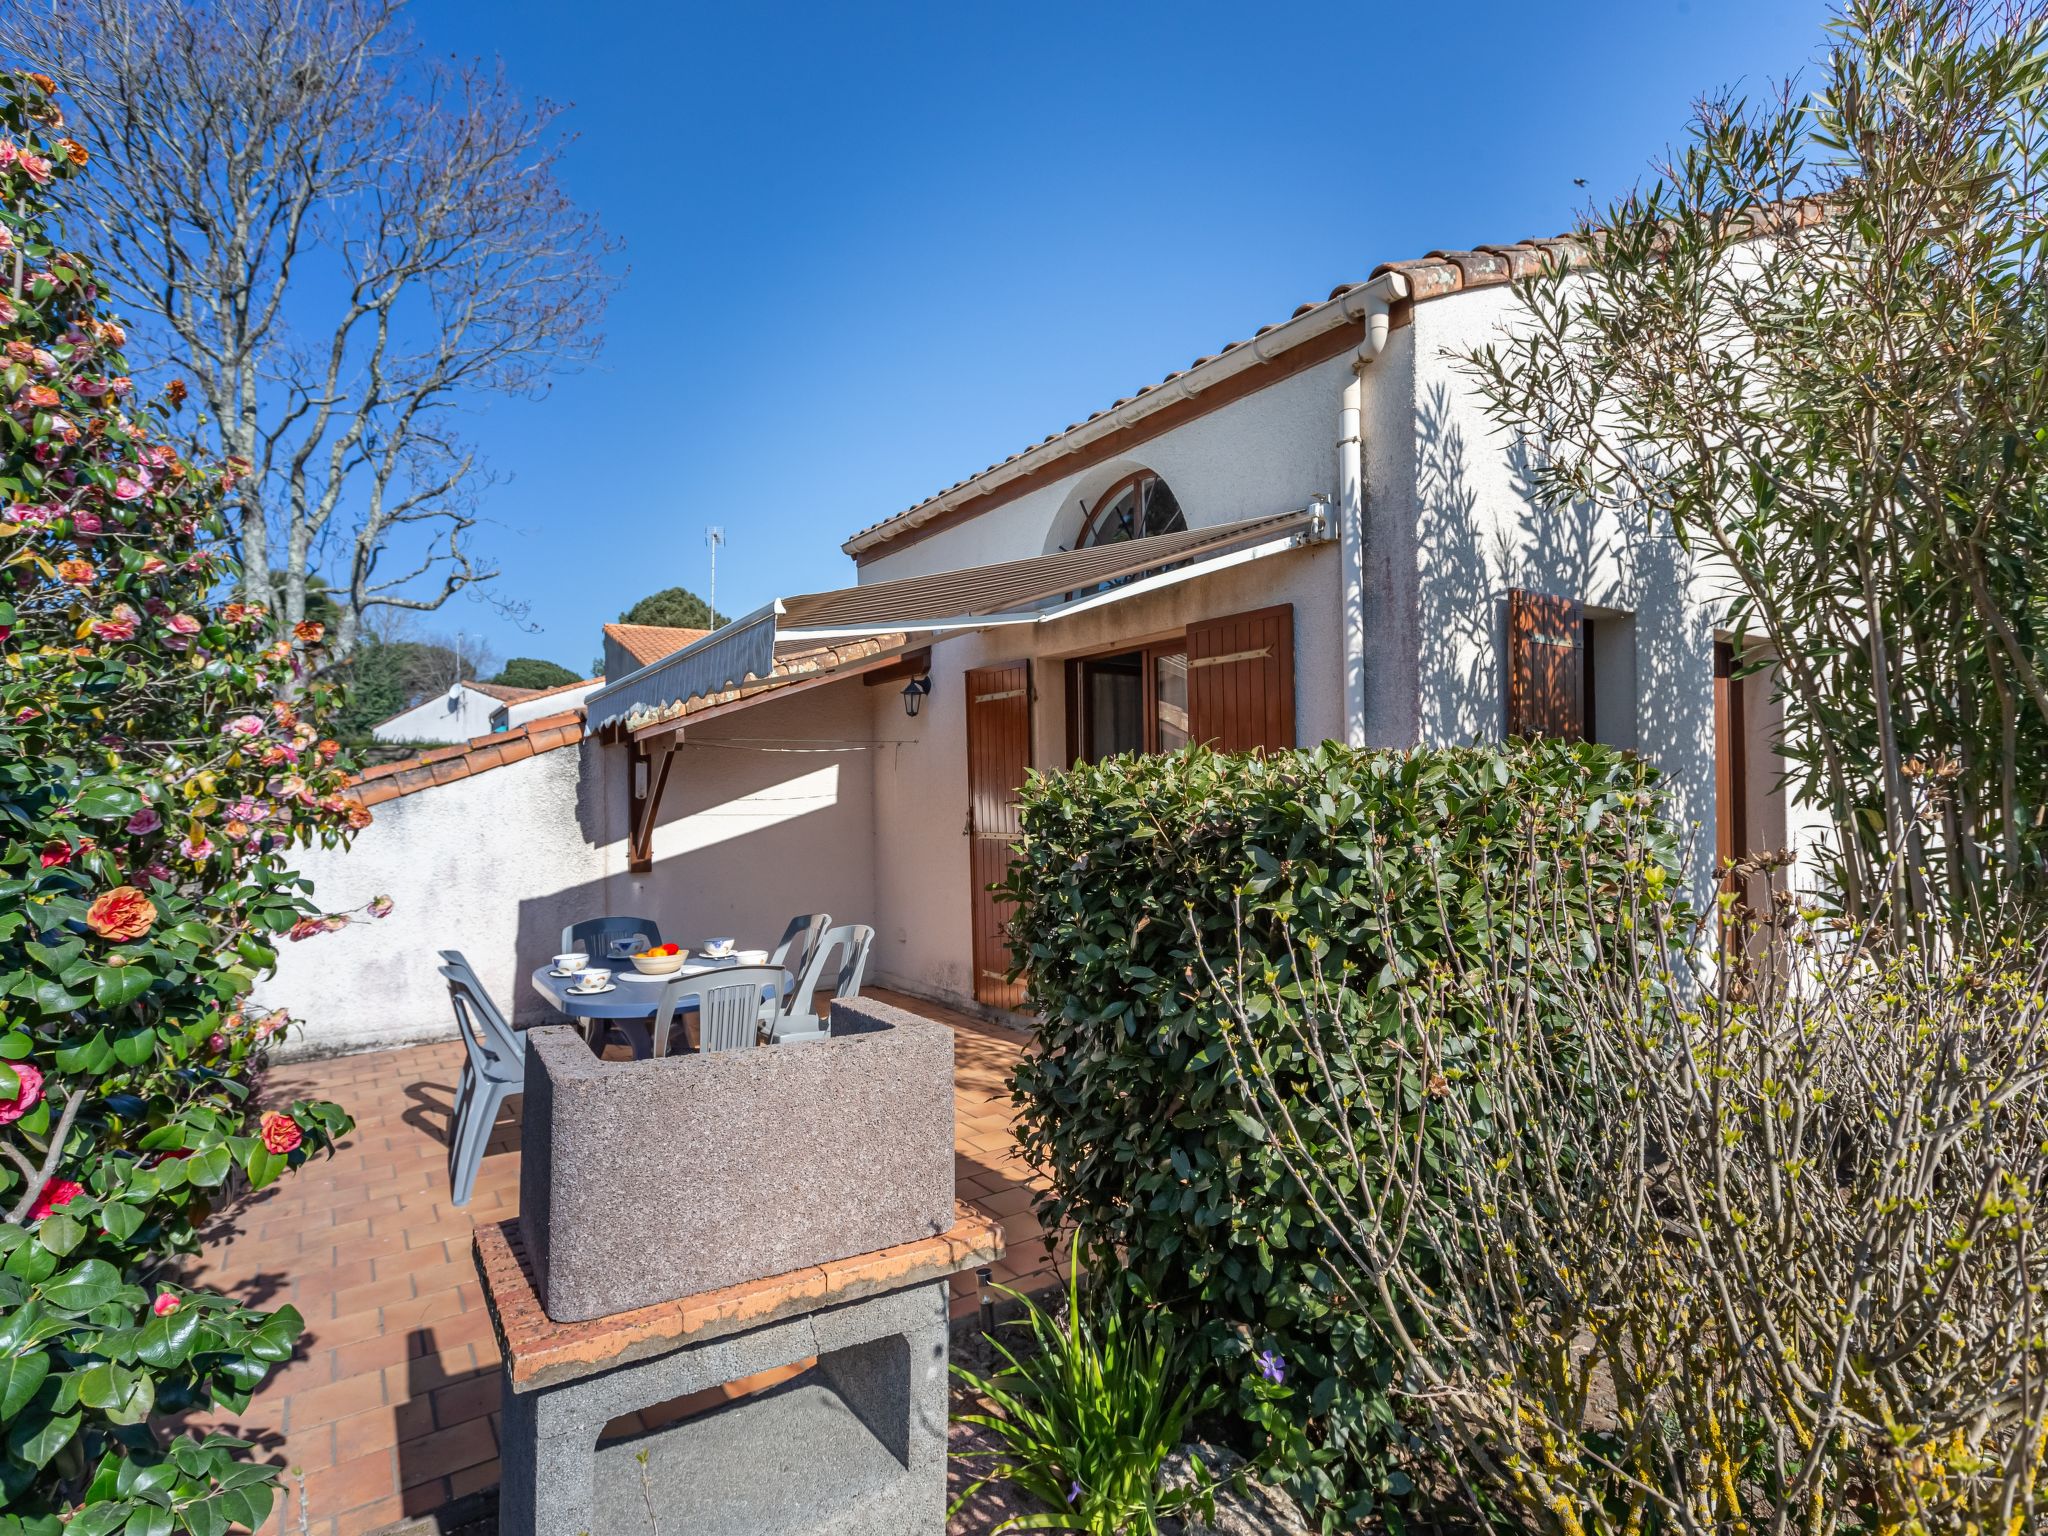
998	753
1546	666
1240	681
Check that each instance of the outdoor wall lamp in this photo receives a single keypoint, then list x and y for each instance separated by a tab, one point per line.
914	692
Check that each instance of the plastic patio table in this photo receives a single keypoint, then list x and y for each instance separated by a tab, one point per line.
633	995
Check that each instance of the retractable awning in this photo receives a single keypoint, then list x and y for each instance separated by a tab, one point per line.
819	636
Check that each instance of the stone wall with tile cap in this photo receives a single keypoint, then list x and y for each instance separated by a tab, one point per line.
644	1181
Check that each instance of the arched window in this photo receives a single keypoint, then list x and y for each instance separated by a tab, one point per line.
1136	507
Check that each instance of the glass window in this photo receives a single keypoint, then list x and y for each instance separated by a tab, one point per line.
1139	507
1170	690
1134	701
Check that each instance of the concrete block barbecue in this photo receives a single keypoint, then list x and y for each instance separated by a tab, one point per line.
645	1181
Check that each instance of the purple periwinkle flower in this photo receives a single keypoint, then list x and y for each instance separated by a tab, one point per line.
1074	1491
1273	1366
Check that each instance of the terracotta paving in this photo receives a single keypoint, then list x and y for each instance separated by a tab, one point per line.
390	1407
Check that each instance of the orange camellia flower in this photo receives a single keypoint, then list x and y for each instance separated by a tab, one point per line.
73	151
175	392
309	631
122	914
281	1133
49	86
39	395
79	573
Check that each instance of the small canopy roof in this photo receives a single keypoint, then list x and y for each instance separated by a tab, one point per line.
857	629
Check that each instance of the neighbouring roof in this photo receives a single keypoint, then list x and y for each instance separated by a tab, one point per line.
445	765
647	643
1434	276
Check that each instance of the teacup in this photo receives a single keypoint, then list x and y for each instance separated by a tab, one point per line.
573	960
719	949
593	978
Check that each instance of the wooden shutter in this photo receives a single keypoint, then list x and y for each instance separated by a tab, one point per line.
1241	681
998	754
1546	666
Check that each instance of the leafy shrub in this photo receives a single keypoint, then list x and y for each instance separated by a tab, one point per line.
1731	1253
1089	1413
1133	877
159	754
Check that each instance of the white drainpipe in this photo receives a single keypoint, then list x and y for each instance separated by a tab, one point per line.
1370	304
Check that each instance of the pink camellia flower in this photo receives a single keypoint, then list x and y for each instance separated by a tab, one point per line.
86	525
216	1042
305	928
57	1192
56	853
335	923
118	625
246	809
144	822
195	848
9	153
157	870
280	1132
164	1305
126	489
380	906
35	166
154	565
26	1097
244	725
119	386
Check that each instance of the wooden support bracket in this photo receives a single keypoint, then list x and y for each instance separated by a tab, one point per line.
647	766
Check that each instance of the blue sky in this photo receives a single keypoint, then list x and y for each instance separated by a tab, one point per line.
874	248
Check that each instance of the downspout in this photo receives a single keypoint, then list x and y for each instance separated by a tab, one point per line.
1372	304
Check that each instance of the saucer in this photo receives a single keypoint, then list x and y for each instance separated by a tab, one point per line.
610	986
553	972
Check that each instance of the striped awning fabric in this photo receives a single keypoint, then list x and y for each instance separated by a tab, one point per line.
762	646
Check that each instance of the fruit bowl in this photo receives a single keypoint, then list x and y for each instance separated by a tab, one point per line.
660	962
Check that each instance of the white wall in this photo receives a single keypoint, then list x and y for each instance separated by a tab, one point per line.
1266	453
491	865
547	704
769	812
442	720
1479	531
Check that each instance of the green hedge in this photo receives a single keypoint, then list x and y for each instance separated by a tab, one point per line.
1126	1101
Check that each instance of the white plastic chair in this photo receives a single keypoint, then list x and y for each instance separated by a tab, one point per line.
797	1021
800	940
728	1005
598	937
494	1071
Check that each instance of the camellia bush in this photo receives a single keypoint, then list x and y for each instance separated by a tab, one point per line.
160	755
1139	881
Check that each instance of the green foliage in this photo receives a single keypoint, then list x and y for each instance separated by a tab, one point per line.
674	608
385	678
1815	346
1088	1413
160	752
531	672
1138	880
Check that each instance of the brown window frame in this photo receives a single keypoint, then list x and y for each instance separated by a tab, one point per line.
1079	748
1091	519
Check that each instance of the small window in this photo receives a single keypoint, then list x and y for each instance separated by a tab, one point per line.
1132	701
1138	507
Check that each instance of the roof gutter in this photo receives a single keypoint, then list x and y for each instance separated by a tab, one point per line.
1369	302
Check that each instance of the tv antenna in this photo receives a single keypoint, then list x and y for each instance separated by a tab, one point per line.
714	537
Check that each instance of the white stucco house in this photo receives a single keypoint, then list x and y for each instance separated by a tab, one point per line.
471	708
1314	533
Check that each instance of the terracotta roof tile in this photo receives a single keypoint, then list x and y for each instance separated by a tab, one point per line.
447	765
648	643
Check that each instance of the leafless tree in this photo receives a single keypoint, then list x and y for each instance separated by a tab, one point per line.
343	242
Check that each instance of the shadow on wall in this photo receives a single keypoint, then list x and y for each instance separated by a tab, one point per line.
1471	550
